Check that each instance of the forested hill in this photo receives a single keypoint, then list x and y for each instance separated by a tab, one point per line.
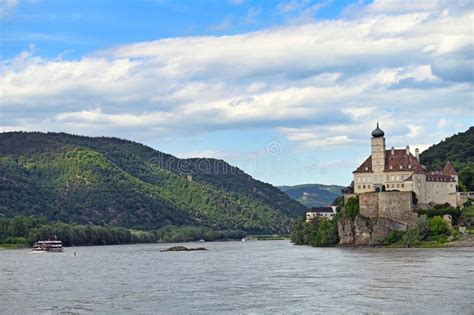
313	195
116	182
459	150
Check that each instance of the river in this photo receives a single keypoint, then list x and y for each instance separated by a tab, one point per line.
237	277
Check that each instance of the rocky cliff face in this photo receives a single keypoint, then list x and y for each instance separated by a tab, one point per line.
379	214
366	231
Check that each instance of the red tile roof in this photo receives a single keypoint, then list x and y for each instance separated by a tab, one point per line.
398	161
365	167
449	169
438	177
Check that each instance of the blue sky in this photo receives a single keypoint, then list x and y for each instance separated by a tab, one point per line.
287	90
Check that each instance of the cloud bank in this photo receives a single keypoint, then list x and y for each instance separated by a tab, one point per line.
320	84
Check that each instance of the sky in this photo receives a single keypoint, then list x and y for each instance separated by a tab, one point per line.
288	91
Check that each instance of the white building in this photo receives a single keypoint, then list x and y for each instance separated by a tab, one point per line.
321	212
398	169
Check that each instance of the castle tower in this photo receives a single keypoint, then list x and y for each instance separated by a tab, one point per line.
378	150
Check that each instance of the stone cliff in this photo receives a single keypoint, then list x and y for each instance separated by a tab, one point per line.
379	214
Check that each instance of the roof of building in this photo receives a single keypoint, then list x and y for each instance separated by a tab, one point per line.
377	132
439	177
321	209
449	169
395	160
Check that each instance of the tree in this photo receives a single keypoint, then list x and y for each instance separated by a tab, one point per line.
438	226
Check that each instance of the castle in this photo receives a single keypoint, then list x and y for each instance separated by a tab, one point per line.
399	170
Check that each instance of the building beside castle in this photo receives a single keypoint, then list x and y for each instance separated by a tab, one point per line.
399	170
320	212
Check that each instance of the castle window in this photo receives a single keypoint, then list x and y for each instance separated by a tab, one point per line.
409	166
358	186
391	167
398	185
403	185
401	167
363	186
388	185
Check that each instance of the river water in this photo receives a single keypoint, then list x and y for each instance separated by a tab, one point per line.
237	277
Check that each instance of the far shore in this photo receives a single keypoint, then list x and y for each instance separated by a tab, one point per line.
465	241
273	237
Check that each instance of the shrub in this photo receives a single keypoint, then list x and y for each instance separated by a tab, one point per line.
326	234
422	226
297	232
351	208
14	240
437	238
411	237
393	237
430	213
438	226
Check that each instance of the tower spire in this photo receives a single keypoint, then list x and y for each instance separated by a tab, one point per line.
377	132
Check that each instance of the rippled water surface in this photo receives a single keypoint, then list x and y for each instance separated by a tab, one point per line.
237	277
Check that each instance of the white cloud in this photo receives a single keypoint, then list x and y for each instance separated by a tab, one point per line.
414	131
222	26
442	123
7	7
324	83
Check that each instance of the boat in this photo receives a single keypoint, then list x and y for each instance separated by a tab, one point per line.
244	239
51	245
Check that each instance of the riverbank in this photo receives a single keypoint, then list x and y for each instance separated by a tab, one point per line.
12	246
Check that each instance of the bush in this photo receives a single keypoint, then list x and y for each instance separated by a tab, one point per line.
318	232
297	232
453	212
326	234
422	226
351	208
393	237
411	238
438	226
437	238
14	240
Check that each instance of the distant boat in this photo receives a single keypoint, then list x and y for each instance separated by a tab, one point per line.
201	241
51	245
244	239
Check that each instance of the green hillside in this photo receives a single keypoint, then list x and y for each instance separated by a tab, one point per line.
313	195
459	150
109	181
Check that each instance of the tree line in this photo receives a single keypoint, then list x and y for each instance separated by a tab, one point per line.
24	231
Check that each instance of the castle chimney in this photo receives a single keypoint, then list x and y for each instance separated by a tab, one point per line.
393	151
408	150
417	154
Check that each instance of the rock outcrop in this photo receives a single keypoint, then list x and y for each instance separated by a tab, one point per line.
181	249
379	214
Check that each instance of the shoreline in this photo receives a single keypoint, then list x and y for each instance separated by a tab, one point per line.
466	241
